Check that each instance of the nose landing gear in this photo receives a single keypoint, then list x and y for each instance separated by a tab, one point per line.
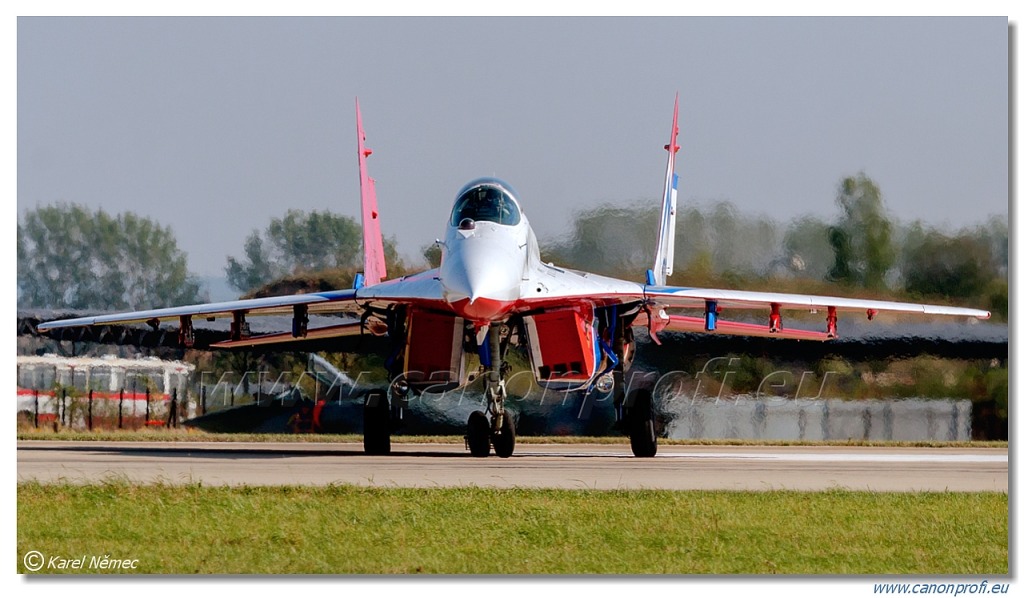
503	429
481	434
500	430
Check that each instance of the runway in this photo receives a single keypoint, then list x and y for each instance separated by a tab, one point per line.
533	466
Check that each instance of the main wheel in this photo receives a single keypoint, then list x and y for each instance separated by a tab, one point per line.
478	434
642	438
377	424
505	442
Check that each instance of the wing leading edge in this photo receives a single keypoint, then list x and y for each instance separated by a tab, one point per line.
326	302
683	297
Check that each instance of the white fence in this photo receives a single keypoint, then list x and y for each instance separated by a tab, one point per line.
820	419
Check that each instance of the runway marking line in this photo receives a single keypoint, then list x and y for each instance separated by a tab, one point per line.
806	457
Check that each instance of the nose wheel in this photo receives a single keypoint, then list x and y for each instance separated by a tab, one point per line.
481	434
504	439
500	429
478	434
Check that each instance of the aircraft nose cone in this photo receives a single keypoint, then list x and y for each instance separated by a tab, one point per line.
481	294
482	309
481	281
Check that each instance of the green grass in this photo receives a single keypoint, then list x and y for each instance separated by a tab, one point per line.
346	529
192	435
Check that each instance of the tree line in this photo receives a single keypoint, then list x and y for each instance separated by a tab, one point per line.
301	243
74	258
862	248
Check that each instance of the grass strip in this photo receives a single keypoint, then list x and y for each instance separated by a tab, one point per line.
358	530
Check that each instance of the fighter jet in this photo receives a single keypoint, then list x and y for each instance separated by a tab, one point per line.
492	292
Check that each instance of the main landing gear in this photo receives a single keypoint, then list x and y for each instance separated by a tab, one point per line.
383	410
640	421
500	430
376	423
634	414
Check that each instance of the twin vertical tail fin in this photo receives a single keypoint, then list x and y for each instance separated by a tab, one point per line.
665	254
374	267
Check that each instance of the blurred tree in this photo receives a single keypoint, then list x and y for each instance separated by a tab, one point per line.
69	257
741	245
862	238
712	240
610	240
432	253
960	266
257	270
807	248
302	243
996	235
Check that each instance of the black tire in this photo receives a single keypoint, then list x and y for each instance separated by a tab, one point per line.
505	443
377	424
642	437
478	434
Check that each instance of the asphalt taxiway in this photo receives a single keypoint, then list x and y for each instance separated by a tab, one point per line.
532	466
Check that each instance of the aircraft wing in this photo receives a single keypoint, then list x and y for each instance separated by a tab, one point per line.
696	325
682	297
325	302
314	334
421	289
659	299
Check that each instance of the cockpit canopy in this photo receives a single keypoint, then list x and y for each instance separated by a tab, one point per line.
488	200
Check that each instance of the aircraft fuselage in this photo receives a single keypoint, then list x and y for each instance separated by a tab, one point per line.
487	252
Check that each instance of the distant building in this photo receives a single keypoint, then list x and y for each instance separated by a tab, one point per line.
53	388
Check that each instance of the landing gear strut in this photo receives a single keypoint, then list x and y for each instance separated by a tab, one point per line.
501	430
383	409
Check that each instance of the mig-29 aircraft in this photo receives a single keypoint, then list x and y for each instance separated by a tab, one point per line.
492	291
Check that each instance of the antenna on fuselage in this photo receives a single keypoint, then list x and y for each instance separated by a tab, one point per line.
665	254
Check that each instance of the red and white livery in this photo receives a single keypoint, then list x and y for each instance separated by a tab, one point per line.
491	292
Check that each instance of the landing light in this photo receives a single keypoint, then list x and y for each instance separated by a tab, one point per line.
400	388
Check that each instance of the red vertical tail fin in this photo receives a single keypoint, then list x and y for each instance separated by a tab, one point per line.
374	267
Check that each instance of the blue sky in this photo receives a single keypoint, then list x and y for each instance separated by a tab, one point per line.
216	125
